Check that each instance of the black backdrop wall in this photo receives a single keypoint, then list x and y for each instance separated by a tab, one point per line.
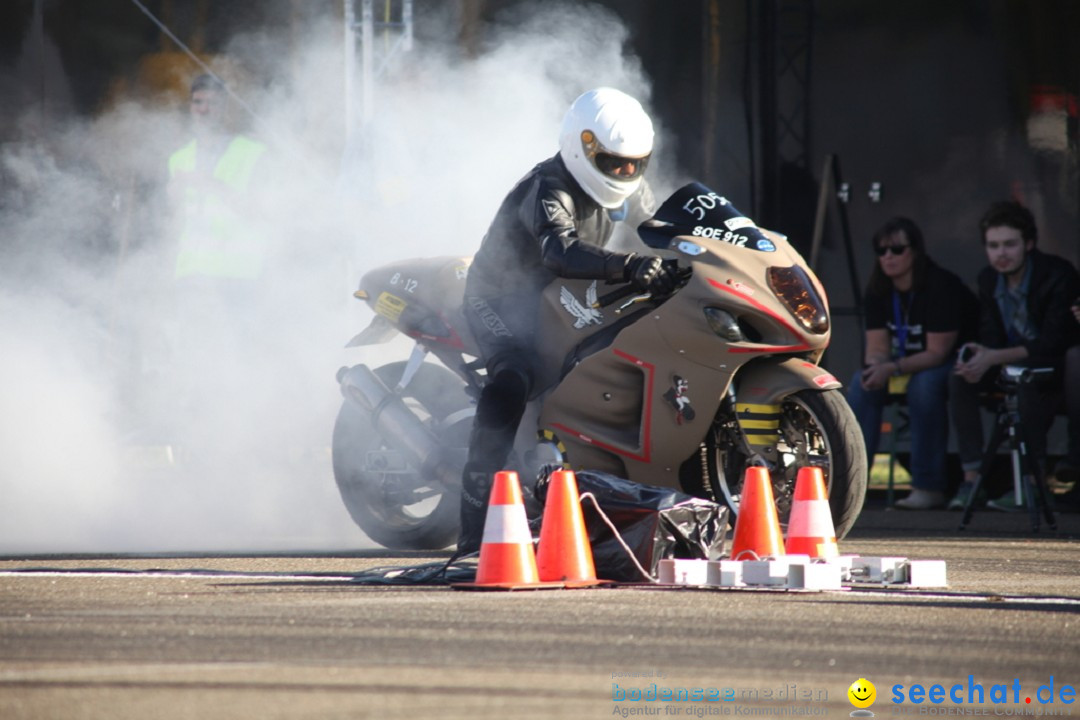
947	106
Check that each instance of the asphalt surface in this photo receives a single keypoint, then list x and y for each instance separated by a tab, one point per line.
299	637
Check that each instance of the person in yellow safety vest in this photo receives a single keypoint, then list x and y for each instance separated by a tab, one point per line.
210	178
219	253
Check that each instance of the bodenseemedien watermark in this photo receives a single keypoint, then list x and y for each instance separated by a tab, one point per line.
654	692
663	699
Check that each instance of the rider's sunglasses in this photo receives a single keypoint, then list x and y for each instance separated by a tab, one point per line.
621	168
618	167
894	249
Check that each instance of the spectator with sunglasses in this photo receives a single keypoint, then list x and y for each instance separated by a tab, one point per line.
917	313
1025	319
554	223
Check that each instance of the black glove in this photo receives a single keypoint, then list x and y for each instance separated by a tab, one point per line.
649	274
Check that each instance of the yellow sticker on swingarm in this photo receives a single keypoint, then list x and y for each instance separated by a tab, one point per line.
898	384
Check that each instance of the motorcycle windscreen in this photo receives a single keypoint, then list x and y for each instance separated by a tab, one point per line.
656	523
696	211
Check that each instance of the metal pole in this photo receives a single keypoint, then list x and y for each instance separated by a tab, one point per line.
768	104
39	37
849	249
827	191
1018	472
367	59
350	68
711	74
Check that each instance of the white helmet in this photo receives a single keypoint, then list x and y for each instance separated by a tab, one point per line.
606	140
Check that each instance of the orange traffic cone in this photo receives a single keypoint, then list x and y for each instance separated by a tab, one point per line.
506	551
507	560
564	552
757	528
810	527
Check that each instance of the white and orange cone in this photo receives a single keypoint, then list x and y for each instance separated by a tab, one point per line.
810	526
506	551
507	559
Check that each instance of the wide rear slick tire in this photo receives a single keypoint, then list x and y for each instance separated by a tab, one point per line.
383	504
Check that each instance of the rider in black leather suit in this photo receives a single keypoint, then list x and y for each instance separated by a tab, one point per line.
554	223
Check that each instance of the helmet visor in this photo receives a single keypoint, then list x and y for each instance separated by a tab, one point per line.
618	167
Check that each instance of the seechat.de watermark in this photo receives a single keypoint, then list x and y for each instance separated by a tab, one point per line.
973	692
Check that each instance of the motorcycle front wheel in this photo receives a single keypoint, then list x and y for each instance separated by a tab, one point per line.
391	501
817	428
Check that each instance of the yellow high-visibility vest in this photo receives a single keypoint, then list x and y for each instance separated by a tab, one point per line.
216	241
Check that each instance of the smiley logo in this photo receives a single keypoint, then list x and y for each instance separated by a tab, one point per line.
862	693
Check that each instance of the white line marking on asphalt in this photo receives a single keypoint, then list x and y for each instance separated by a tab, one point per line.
209	574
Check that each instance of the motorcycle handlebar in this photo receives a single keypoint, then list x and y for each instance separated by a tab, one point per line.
683	274
614	296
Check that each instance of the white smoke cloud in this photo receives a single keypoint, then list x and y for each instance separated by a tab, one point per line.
96	421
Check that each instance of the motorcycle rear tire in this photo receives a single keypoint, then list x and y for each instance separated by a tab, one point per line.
435	394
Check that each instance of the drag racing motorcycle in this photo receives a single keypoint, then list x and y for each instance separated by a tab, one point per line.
683	391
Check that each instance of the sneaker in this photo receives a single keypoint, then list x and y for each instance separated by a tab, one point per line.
922	500
1006	503
960	499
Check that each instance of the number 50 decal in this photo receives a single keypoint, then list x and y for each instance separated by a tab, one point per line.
697	206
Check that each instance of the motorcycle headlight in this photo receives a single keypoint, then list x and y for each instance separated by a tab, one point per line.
724	324
795	289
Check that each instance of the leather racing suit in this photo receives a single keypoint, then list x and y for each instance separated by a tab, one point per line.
546	227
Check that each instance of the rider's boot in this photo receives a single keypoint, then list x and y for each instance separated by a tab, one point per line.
475	490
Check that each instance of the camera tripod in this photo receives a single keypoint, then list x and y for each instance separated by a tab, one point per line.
1028	482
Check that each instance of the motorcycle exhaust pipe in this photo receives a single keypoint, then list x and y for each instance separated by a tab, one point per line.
400	427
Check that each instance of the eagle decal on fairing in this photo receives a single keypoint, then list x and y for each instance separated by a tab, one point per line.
586	314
